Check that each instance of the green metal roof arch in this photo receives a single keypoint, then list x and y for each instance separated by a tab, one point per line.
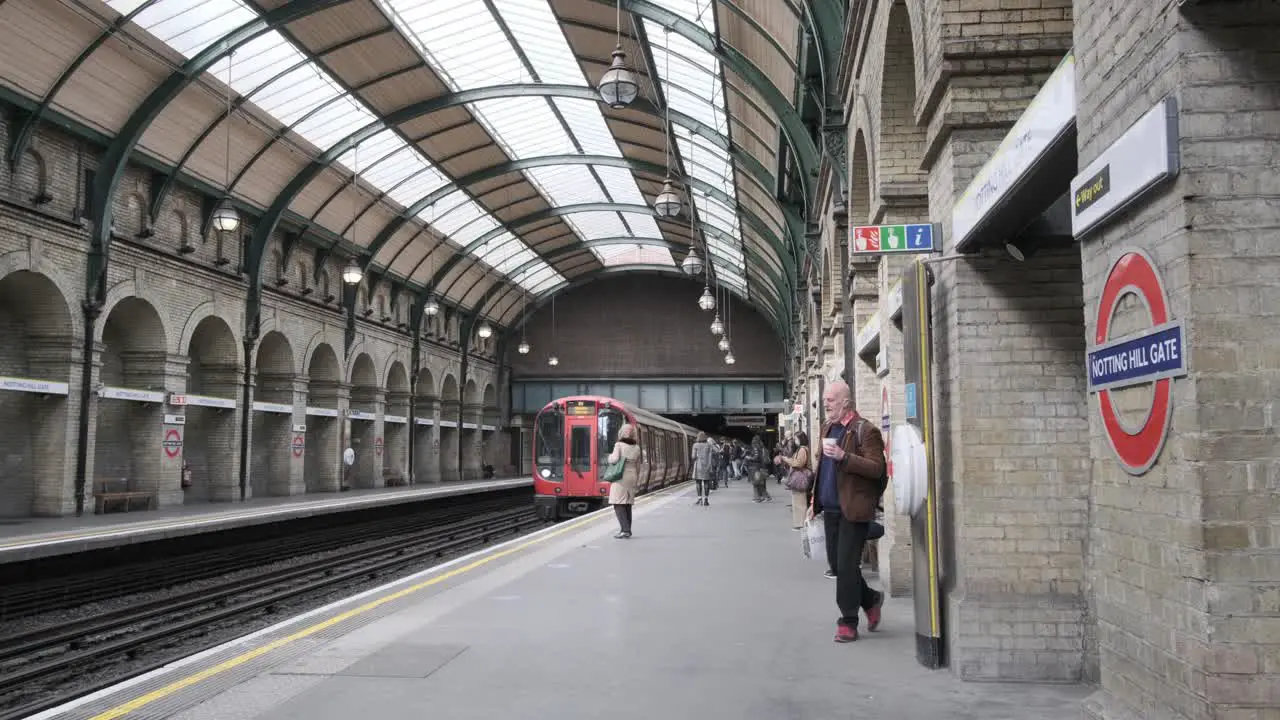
440	274
512	166
508	288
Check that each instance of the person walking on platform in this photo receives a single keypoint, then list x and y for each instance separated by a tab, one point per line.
799	478
622	494
755	460
703	465
849	488
726	461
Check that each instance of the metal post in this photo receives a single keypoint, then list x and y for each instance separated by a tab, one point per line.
415	362
246	400
840	213
92	309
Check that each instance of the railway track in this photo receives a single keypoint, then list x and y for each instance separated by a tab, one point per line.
42	595
43	668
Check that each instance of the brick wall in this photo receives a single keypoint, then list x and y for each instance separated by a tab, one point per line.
1185	558
168	274
644	326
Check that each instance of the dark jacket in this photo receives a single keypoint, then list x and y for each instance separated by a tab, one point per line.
857	476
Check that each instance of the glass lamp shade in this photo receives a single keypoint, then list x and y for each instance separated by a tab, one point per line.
485	332
723	344
707	301
225	218
553	361
730	359
692	264
352	274
717	327
618	85
667	203
523	349
432	307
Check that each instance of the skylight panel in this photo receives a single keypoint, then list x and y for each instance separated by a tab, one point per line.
259	60
461	39
538	31
424	182
190	26
466	223
505	253
541	280
597	225
588	125
524	127
390	170
621	185
633	254
567	184
695	11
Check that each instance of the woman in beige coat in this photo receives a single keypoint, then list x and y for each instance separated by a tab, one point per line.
622	494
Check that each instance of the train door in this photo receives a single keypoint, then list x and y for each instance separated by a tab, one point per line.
580	461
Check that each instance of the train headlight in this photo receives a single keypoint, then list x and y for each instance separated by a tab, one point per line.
546	472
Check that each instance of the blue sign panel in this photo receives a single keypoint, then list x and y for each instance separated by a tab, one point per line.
920	237
1157	353
910	401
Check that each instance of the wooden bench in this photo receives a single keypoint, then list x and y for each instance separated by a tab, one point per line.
393	477
108	493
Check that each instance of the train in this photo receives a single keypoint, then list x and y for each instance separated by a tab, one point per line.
572	439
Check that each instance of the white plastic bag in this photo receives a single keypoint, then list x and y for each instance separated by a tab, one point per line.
815	540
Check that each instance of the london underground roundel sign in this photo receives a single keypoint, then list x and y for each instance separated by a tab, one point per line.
1154	355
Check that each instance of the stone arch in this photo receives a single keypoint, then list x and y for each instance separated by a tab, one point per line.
322	363
828	292
363	372
197	318
20	260
137	215
397	356
322	337
32	178
36	455
178	221
211	346
490	396
275	354
471	395
122	292
397	378
861	191
426	386
902	140
449	389
132	326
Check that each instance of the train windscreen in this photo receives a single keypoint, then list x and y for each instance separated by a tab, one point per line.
548	444
610	422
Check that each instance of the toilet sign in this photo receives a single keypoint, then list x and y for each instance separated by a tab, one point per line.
1155	355
172	443
298	445
377	445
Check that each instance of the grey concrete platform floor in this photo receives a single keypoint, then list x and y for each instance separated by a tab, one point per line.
705	613
30	538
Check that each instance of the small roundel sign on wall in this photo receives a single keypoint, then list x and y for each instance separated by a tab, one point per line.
1154	355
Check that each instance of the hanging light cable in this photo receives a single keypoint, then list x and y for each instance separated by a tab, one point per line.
225	218
352	274
553	360
431	308
667	204
618	85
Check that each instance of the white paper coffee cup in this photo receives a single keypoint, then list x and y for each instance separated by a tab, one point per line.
829	442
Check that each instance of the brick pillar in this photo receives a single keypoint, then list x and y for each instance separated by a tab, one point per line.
212	444
434	460
297	466
426	463
395	457
51	422
473	449
449	437
151	468
323	468
271	435
366	437
1185	558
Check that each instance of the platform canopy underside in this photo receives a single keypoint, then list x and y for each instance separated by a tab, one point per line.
457	147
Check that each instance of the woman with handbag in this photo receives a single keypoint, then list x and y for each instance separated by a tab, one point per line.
799	480
622	485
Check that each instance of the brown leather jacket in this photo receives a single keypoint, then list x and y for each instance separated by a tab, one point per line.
859	472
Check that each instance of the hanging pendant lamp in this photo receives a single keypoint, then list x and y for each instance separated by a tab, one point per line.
708	301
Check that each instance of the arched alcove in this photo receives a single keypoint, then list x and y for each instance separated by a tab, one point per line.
211	446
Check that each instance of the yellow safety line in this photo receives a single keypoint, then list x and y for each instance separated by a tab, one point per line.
926	409
144	700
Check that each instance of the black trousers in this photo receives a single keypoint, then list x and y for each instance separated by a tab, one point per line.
624	517
845	541
703	487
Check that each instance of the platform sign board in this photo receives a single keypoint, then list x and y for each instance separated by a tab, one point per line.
27	385
744	420
891	239
1143	157
1155	355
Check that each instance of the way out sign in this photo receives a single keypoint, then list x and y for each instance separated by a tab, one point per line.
1155	355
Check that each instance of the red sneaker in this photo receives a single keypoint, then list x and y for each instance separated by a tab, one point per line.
873	614
846	634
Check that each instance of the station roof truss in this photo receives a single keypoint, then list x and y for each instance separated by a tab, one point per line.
456	147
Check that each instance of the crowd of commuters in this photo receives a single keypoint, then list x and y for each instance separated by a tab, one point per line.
839	486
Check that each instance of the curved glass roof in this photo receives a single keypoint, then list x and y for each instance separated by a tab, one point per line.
323	84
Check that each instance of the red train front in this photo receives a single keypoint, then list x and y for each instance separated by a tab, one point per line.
572	438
